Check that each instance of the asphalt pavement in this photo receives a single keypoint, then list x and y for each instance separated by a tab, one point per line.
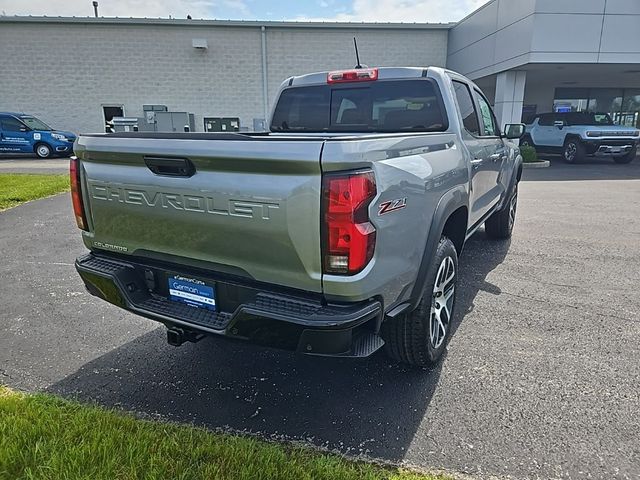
30	164
541	378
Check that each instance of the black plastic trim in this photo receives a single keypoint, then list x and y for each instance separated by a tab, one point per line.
287	316
450	202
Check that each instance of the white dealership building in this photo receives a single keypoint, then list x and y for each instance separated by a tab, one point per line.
528	55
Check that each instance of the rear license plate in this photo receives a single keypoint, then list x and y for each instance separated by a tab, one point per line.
193	292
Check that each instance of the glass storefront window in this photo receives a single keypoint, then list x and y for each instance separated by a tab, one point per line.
623	105
630	114
605	100
571	100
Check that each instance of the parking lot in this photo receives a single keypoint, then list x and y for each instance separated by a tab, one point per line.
541	378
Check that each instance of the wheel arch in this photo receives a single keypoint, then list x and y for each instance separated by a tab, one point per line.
528	138
452	214
455	227
42	142
571	136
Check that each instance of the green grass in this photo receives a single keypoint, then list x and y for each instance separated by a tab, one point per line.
45	437
17	188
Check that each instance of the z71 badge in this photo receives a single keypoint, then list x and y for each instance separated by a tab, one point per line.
392	205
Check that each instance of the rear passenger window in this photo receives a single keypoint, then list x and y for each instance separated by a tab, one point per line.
467	108
489	128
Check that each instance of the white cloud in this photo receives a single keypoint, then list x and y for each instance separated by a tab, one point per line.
123	8
360	11
405	11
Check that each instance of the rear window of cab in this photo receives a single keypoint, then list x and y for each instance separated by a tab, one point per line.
377	106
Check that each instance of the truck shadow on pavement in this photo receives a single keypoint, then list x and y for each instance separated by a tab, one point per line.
370	406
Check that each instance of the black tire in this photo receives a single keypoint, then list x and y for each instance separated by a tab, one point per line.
499	226
42	150
573	150
527	141
628	158
410	337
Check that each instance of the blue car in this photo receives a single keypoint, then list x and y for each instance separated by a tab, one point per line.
22	133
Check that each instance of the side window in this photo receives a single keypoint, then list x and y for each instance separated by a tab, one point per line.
10	124
489	128
546	120
467	108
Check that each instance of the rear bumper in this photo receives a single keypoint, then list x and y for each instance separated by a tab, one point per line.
287	320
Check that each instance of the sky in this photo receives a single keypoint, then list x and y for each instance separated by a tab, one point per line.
303	10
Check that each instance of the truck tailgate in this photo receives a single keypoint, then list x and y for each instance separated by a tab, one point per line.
251	209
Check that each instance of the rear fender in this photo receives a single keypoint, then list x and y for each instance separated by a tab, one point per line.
451	201
514	178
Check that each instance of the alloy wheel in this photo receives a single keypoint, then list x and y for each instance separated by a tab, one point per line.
513	205
442	304
570	152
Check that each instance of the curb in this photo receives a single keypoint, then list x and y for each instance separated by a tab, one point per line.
540	164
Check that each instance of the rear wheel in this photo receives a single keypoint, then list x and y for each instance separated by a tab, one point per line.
527	141
573	150
628	158
43	150
500	225
420	337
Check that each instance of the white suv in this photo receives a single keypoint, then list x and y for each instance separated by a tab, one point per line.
577	134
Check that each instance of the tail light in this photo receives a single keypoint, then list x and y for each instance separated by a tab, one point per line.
76	193
349	237
358	75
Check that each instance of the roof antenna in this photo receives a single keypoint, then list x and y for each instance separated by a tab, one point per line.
355	44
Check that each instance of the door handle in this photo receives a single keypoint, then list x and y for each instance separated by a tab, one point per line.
495	157
476	162
170	167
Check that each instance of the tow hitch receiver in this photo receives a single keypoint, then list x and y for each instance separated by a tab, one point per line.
178	336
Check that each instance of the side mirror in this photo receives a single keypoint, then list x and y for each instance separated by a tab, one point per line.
24	129
559	124
513	131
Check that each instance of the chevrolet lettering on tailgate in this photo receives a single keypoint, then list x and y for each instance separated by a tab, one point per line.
191	203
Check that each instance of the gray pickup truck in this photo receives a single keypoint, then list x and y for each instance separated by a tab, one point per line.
336	233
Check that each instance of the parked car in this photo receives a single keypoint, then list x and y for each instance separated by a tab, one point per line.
21	133
575	135
336	233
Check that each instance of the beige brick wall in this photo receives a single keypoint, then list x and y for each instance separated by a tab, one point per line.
65	72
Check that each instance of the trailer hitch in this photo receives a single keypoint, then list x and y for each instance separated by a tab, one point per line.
178	336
